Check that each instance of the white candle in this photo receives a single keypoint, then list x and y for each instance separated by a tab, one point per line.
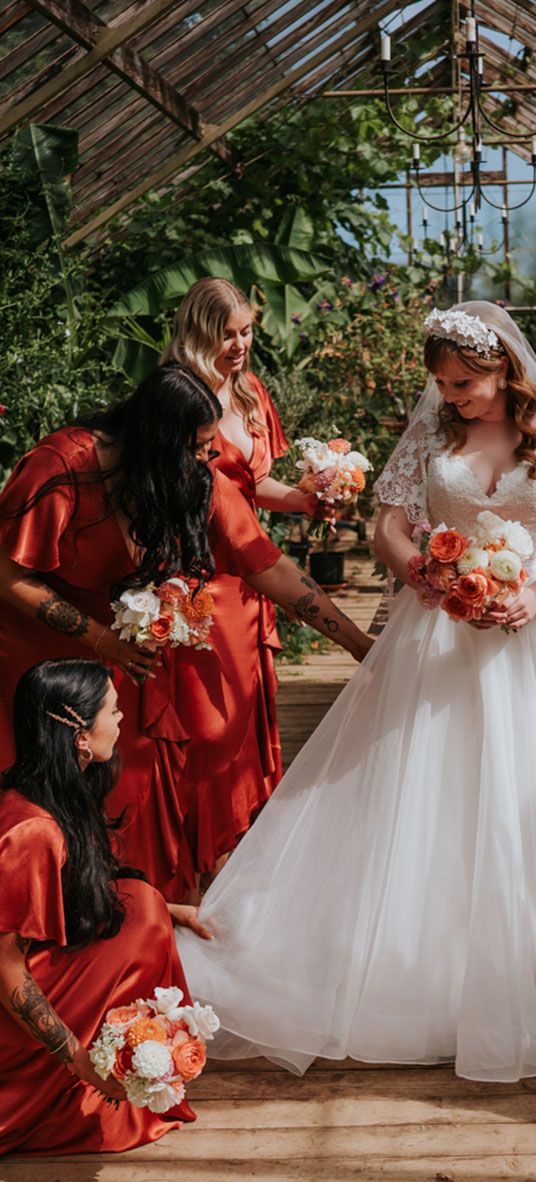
534	145
470	29
386	47
425	215
478	149
472	211
504	213
416	153
480	65
480	238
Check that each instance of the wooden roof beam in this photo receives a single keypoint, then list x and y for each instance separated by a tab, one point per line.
73	18
261	99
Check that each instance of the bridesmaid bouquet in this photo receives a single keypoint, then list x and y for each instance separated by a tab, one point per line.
154	1047
169	614
467	575
332	471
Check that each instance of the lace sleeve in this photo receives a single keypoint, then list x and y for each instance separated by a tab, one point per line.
404	479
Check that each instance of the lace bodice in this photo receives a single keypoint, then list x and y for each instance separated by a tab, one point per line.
430	482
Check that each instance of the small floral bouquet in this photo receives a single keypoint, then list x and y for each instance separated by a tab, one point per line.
332	471
154	1047
172	613
467	575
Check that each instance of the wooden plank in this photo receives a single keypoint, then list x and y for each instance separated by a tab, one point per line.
260	99
90	31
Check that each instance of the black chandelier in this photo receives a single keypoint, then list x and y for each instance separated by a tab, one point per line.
467	205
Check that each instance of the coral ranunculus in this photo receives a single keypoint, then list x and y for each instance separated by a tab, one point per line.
341	446
189	1058
123	1062
441	574
458	608
448	545
145	1029
473	588
122	1015
161	628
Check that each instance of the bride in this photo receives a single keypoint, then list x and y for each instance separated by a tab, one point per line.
383	905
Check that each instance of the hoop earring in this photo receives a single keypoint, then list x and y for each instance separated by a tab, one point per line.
85	758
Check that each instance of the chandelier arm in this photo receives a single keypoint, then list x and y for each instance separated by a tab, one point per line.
519	205
513	139
439	208
423	139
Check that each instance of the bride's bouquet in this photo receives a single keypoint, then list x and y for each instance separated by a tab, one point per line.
154	1047
172	614
466	576
332	471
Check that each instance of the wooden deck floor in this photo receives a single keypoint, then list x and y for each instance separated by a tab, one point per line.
343	1121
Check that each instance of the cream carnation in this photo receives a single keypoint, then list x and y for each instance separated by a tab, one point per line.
103	1051
157	1097
152	1060
505	565
472	558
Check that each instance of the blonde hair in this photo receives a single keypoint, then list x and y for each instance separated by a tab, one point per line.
199	337
520	394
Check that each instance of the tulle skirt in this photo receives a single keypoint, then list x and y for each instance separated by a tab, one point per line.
383	906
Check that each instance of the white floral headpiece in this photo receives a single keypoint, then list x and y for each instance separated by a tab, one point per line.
470	331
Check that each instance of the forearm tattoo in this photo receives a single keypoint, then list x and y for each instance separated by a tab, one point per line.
62	616
36	1012
309	611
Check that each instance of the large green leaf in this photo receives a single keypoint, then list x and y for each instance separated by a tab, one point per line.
243	265
50	154
283	302
296	229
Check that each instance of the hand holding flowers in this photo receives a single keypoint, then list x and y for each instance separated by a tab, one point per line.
154	1047
476	579
333	474
171	613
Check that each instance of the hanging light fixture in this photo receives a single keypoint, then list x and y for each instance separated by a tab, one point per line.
473	116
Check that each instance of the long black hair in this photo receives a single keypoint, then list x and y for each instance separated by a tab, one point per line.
161	487
155	478
46	771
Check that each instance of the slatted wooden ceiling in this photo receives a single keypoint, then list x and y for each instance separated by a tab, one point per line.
154	86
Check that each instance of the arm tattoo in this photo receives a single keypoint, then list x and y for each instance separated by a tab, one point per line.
37	1013
308	610
59	614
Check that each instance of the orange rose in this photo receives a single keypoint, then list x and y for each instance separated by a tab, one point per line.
144	1029
189	1058
122	1014
160	629
448	545
358	479
441	575
341	446
458	608
473	588
123	1062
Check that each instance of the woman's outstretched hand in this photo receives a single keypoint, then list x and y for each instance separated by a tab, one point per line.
185	916
137	663
522	609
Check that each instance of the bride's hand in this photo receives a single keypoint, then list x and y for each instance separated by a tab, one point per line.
522	609
185	916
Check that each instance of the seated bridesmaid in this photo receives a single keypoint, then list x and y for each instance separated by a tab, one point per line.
79	934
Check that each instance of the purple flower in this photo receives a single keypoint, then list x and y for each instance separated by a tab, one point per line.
394	293
324	306
296	318
377	281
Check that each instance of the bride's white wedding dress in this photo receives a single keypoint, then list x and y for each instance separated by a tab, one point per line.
384	904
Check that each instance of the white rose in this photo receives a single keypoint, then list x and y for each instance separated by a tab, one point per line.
201	1020
168	1002
471	558
139	607
505	565
152	1060
518	539
490	526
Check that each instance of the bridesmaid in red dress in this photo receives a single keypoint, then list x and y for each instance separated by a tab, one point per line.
234	763
78	934
128	499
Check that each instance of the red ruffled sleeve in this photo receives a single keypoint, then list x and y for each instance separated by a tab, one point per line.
32	853
32	539
278	442
239	543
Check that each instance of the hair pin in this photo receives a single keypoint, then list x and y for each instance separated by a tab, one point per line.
80	722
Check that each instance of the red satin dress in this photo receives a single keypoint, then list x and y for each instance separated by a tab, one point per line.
76	546
43	1108
233	762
